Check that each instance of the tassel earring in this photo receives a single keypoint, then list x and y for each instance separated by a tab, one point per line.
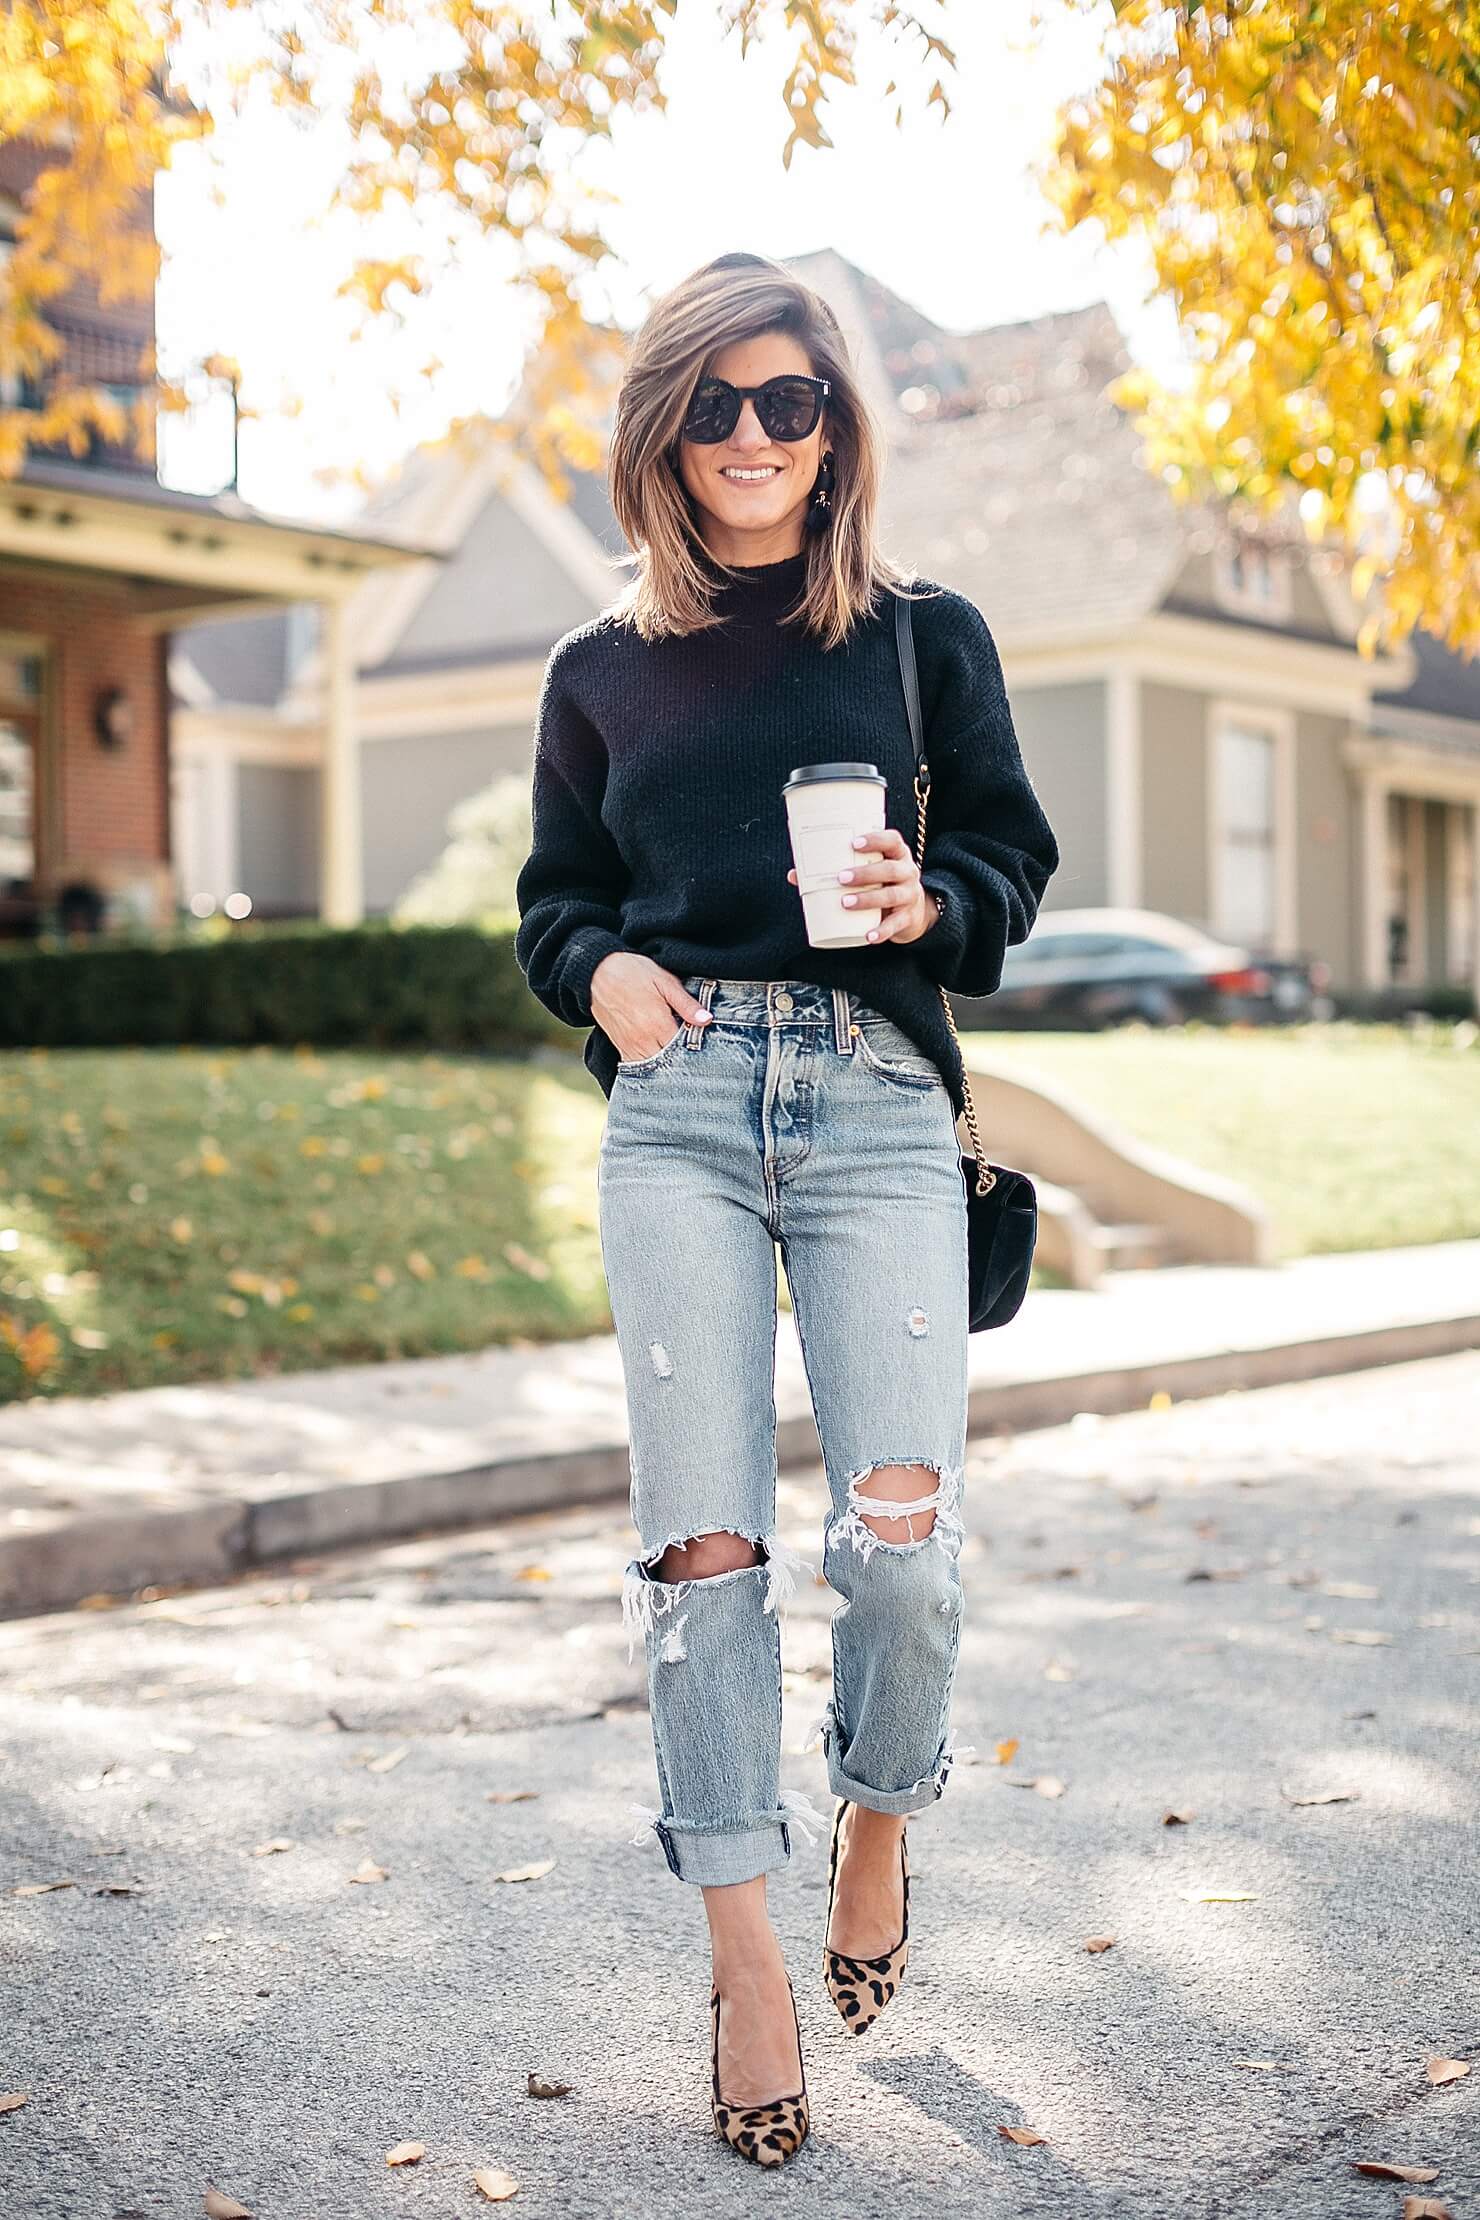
819	513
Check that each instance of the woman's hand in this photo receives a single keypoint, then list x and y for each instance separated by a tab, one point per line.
634	1001
887	878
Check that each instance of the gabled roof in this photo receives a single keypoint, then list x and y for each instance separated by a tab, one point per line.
1037	504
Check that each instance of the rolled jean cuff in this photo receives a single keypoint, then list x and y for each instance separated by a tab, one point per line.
896	1800
719	1860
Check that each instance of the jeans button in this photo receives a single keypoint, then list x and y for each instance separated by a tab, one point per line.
784	1002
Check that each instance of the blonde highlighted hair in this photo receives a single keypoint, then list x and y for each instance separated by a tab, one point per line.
739	296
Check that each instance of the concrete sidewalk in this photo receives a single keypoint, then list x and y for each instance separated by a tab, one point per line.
190	1484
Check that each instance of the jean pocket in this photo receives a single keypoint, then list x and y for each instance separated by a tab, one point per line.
888	1050
641	1065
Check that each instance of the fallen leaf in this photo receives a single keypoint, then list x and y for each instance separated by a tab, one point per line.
350	1826
390	1760
1007	1751
1177	1818
1219	1896
1044	1784
1020	2135
541	2088
1266	2065
1380	2168
1357	1591
511	1795
219	2206
41	1888
119	1888
368	1870
13	2101
1424	2208
1440	2070
534	1572
275	1848
496	2187
526	1872
1323	1796
1097	1943
405	2154
1367	1637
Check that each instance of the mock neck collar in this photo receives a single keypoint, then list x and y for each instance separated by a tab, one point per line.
753	589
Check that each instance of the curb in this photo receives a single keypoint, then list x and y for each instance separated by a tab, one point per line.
199	1543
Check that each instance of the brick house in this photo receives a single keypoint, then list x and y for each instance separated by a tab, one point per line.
99	565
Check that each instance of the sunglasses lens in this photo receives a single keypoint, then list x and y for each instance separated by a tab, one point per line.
711	415
789	408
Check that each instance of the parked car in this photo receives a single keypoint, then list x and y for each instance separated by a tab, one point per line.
1080	969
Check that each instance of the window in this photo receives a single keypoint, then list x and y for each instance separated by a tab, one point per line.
1243	771
1252	580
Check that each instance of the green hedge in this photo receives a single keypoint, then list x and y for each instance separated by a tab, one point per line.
380	985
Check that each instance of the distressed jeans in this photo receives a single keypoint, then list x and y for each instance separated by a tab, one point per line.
804	1120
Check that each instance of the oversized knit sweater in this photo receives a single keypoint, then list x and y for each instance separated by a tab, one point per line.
659	824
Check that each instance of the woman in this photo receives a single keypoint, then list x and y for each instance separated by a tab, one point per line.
766	1094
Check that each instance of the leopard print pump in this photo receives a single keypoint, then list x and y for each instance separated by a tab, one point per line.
862	1987
768	2133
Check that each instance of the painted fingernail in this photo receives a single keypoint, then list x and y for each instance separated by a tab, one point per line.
845	874
873	936
860	840
849	900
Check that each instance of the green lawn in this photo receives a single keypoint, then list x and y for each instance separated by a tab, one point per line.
176	1215
185	1215
1354	1136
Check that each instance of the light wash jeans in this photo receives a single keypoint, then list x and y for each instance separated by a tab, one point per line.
803	1118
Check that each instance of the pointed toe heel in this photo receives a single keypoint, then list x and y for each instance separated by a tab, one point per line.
862	1988
769	2134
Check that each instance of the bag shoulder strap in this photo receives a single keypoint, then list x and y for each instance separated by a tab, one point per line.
904	634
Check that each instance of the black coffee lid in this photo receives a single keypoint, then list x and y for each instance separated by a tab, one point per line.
811	774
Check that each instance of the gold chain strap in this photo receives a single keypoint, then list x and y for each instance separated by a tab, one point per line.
986	1178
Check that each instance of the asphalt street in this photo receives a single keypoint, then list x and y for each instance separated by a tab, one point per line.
1260	1611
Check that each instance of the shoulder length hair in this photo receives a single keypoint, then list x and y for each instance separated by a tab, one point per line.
739	296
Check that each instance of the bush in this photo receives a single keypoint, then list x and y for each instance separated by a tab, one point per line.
1391	1005
376	985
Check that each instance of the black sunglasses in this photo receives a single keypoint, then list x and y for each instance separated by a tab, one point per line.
788	408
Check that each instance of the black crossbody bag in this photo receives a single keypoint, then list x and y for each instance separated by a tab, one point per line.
1001	1205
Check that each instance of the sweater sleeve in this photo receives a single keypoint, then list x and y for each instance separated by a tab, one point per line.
989	849
570	887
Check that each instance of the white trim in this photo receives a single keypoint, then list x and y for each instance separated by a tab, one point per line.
1372	809
1208	657
1124	795
341	841
1461	828
1415	830
1418	770
1279	724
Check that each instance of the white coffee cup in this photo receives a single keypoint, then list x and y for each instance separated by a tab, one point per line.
827	806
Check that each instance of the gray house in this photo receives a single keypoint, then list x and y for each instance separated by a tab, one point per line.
1193	709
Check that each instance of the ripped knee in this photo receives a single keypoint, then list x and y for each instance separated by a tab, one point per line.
705	1556
655	1585
916	1513
913	1489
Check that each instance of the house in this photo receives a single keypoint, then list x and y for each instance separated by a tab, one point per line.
100	565
1205	736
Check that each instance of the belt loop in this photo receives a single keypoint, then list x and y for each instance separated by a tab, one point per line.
696	1031
842	1033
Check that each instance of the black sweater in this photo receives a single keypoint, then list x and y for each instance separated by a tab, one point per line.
659	824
